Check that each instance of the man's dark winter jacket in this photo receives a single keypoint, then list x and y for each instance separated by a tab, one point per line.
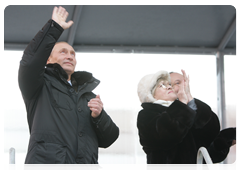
60	123
173	135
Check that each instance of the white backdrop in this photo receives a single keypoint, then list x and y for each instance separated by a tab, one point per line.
119	75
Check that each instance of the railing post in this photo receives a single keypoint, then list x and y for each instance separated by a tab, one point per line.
11	156
203	153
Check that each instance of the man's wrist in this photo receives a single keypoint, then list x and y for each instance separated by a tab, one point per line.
54	23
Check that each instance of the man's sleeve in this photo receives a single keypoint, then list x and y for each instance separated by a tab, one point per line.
106	130
192	104
32	65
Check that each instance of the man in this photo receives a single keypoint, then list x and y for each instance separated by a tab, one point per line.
219	148
66	120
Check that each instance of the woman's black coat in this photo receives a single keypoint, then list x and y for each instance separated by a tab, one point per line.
173	135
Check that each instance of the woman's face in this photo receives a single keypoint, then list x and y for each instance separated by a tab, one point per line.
164	91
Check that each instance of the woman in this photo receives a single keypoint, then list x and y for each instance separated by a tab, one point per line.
171	129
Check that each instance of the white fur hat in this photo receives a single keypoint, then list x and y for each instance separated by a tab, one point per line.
147	83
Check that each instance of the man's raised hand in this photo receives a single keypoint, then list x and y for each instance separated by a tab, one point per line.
60	15
186	86
182	96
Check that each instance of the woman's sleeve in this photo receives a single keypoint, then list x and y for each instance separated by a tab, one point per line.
206	125
219	148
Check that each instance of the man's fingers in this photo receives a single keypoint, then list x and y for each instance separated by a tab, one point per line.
96	99
182	84
184	75
183	72
70	23
181	87
55	11
95	105
96	110
95	102
61	10
65	15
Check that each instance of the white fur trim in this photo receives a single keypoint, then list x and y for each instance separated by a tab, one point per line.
163	102
147	83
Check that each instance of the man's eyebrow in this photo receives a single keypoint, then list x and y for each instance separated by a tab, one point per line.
67	49
177	80
63	49
73	51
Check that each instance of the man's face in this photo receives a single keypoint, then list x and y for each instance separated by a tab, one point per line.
176	81
64	55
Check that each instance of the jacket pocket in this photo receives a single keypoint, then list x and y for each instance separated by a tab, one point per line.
50	153
94	164
61	99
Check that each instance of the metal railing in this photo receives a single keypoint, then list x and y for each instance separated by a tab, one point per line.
203	153
11	156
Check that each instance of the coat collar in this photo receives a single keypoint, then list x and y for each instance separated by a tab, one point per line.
56	70
153	106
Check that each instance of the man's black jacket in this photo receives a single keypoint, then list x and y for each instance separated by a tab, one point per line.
60	123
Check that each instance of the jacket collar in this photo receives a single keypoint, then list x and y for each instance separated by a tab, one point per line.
56	70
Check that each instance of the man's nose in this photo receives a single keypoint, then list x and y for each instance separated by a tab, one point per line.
70	57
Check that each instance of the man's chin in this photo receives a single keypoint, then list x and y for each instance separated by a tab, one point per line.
68	71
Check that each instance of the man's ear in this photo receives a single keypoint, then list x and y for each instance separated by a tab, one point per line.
49	59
